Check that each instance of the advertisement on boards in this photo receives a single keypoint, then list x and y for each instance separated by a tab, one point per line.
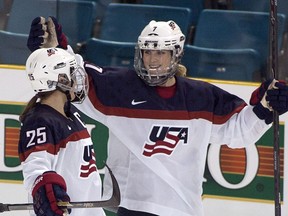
238	182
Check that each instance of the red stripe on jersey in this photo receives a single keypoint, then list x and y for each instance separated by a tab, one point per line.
55	148
157	114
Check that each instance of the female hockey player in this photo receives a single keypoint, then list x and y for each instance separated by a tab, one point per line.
54	146
160	124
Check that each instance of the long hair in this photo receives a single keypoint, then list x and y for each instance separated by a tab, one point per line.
32	102
181	70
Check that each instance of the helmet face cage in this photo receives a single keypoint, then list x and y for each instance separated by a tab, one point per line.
158	75
52	68
80	84
159	36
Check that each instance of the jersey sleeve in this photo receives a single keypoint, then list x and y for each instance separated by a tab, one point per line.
235	124
37	149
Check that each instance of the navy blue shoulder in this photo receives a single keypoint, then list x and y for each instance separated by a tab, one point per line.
46	129
120	90
42	115
204	96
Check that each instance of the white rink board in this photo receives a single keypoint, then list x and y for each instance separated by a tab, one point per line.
15	88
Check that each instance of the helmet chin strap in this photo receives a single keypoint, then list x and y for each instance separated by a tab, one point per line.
67	106
65	89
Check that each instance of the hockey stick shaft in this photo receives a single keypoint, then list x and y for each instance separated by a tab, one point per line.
274	71
88	204
114	201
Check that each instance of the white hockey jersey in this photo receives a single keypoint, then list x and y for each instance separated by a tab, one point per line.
157	147
49	141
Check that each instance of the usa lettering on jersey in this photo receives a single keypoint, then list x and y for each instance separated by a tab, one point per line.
89	162
164	139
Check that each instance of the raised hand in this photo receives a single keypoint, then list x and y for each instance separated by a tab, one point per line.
38	34
271	95
55	33
46	34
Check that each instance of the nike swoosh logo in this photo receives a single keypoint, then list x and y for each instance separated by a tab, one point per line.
137	102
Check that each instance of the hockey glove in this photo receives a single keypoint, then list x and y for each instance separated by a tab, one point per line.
46	34
271	95
55	32
49	189
277	97
38	34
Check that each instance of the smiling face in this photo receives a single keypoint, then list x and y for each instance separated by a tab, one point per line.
156	62
158	51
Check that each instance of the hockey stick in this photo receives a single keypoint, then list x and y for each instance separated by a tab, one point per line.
114	201
274	71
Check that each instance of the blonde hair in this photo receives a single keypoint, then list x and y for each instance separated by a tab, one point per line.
181	71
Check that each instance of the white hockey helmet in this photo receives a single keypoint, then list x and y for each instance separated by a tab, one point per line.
49	69
159	35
